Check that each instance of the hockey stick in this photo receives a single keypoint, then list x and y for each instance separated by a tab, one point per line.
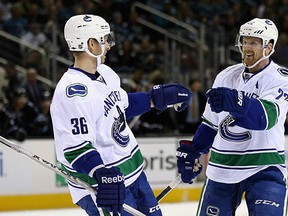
172	185
61	172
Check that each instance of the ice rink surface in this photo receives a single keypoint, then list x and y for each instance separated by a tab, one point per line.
174	209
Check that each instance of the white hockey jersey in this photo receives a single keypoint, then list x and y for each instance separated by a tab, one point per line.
237	153
87	109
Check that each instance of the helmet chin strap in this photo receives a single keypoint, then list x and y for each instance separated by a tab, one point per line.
98	57
261	59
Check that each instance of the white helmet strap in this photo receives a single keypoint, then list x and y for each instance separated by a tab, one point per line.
261	59
98	57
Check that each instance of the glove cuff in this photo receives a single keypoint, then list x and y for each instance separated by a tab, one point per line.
243	104
187	146
191	151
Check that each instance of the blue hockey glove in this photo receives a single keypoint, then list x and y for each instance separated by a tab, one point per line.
111	189
229	100
170	94
187	161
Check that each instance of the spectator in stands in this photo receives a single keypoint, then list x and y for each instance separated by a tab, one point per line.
119	27
34	58
282	49
5	118
16	25
14	80
34	89
136	82
8	128
3	83
5	7
35	36
36	14
27	115
125	58
136	31
45	110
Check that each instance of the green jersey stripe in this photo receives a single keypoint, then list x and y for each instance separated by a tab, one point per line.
271	112
210	124
255	159
127	167
71	154
82	176
132	164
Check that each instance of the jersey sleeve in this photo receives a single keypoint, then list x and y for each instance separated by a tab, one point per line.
204	137
266	111
139	103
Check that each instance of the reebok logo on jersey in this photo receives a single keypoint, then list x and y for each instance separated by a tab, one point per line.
76	89
109	180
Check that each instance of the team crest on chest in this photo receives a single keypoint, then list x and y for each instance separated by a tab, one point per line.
76	89
118	129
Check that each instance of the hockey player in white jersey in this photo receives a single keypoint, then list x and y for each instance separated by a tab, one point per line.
92	138
243	126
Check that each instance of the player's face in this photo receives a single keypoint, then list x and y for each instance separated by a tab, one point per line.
252	50
106	48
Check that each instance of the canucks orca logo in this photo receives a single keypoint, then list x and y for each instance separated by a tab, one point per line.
76	89
87	18
118	128
283	71
212	211
268	22
226	134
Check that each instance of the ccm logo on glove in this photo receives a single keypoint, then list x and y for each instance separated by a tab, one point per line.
109	180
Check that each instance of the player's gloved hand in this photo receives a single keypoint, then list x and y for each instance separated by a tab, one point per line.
170	94
111	189
187	161
230	100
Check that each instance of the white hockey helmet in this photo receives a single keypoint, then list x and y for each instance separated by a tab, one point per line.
80	28
264	29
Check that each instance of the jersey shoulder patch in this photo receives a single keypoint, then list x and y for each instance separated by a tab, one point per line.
76	89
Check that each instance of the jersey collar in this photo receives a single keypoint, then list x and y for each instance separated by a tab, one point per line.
246	75
96	76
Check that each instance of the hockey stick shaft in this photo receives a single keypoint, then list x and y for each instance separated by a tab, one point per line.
61	172
172	185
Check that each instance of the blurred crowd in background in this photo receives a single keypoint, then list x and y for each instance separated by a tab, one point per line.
138	56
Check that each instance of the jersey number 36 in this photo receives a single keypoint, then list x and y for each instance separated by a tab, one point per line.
79	126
